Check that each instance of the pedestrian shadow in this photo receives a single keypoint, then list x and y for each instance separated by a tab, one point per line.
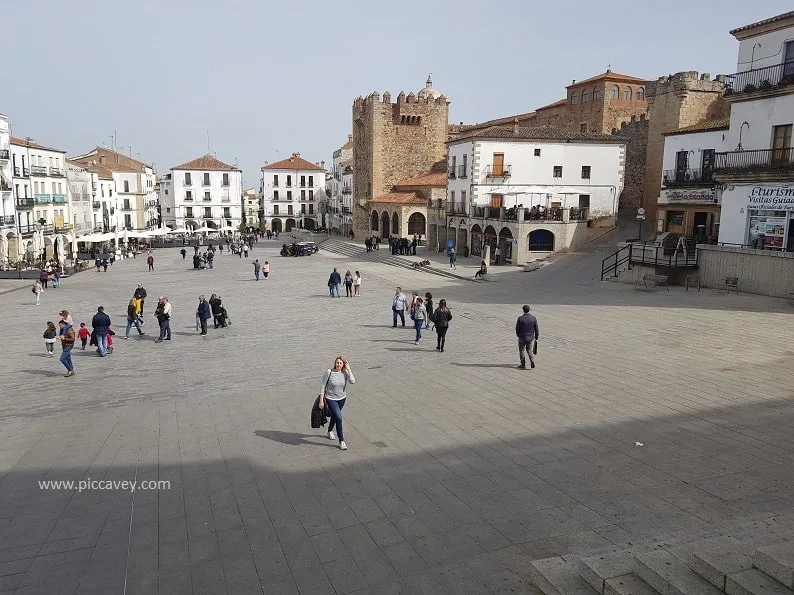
290	438
43	372
483	365
415	348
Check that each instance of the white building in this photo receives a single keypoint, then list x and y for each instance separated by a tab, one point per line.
105	214
340	189
136	198
39	178
527	190
202	192
7	210
79	194
288	191
756	169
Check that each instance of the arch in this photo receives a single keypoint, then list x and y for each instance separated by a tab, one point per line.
641	94
490	231
289	224
416	224
275	225
310	224
395	224
540	240
373	221
385	223
574	98
505	234
614	92
627	93
476	228
211	224
190	224
585	95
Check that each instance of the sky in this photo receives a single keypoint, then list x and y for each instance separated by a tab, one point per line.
256	80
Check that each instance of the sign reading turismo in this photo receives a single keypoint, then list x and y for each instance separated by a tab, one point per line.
771	198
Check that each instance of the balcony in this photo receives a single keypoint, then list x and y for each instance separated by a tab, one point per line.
96	206
226	199
752	162
42	199
38	170
25	172
457	208
17	171
451	172
687	177
59	198
499	172
5	187
347	210
126	207
188	198
56	171
777	78
5	154
206	216
347	191
7	220
207	199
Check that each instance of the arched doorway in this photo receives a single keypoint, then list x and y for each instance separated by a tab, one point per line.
505	245
190	224
275	225
395	224
289	224
310	224
384	219
416	224
211	224
476	240
540	240
373	221
490	239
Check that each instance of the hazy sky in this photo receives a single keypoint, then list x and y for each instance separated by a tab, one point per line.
269	78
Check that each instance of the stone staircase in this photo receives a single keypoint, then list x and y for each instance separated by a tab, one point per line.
384	256
758	559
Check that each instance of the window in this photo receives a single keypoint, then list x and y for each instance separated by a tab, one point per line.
537	152
188	195
627	93
452	197
596	94
225	179
188	181
168	209
208	212
126	186
275	195
464	172
303	208
189	212
227	212
206	179
303	181
289	181
311	194
126	204
275	181
585	172
289	209
303	195
585	96
207	196
60	188
558	171
574	98
614	92
275	209
127	220
289	194
583	127
311	181
641	94
35	187
781	145
311	209
767	229
463	199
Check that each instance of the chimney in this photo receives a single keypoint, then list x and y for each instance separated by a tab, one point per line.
573	82
350	138
515	126
322	164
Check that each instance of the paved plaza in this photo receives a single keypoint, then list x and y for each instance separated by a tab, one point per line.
461	469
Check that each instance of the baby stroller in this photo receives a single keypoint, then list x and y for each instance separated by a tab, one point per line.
221	317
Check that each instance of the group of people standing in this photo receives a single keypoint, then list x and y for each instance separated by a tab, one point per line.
422	314
352	283
404	246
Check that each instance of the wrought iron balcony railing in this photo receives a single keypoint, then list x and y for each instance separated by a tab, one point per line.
761	79
498	172
761	161
673	177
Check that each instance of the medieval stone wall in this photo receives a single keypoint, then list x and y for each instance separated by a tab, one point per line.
635	131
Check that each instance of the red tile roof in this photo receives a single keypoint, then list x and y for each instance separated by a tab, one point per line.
609	76
21	142
432	178
400	198
703	126
207	162
780	17
293	162
100	170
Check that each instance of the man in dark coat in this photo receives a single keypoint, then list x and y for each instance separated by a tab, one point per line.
527	333
203	313
101	325
140	293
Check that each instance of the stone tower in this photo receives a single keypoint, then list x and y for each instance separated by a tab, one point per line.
675	101
395	141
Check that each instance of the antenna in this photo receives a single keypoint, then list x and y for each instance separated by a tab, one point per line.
209	151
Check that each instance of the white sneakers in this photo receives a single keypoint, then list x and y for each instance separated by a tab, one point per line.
343	445
331	435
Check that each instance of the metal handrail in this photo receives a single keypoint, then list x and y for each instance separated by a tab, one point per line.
626	254
761	79
754	160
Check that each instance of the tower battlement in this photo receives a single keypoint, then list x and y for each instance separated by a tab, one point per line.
683	82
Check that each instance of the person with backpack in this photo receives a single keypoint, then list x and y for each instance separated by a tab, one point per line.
441	318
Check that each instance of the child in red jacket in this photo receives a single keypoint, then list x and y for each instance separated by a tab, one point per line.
83	334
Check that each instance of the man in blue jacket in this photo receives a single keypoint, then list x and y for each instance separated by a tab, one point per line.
527	333
333	283
101	325
204	313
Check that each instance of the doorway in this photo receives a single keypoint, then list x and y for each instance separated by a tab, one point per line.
699	227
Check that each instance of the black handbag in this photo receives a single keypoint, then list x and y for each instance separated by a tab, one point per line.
535	347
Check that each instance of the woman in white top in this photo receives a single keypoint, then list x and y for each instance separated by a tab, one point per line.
333	396
357	284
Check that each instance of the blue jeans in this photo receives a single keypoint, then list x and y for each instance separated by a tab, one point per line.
334	287
256	274
418	324
130	322
102	344
335	410
66	359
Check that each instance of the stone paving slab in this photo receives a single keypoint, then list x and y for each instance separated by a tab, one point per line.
461	469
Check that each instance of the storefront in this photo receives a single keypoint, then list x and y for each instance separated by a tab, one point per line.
693	213
759	216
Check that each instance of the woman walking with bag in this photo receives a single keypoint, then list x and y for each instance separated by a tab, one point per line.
418	315
441	319
333	397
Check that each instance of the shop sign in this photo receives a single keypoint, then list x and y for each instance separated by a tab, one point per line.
771	198
705	195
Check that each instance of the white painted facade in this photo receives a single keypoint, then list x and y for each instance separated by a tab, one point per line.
105	215
7	208
694	144
167	202
340	189
79	218
203	198
39	179
290	197
532	179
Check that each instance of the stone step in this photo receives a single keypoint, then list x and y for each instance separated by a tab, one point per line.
671	576
628	584
754	582
714	559
596	570
554	576
777	561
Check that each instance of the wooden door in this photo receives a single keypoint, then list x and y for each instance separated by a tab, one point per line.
781	145
498	164
496	201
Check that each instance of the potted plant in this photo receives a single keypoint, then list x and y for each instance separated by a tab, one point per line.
765	85
749	88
